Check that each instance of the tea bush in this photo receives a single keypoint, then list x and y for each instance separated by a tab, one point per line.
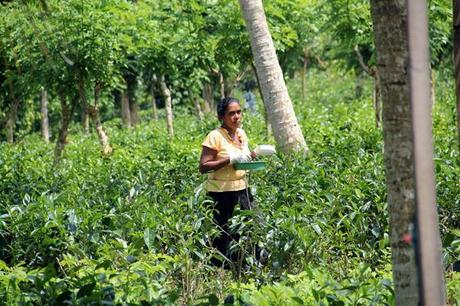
135	228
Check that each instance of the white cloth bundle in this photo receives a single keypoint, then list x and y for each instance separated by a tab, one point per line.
263	150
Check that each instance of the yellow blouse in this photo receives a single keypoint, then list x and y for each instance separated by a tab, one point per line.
226	178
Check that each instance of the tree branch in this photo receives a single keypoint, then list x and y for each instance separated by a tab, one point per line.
369	71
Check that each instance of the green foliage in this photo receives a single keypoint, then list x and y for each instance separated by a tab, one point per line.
136	227
453	288
351	25
312	287
188	42
441	44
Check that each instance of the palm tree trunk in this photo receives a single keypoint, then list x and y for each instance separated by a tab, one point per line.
268	127
44	122
280	111
390	32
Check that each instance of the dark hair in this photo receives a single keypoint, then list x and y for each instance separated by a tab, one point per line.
223	104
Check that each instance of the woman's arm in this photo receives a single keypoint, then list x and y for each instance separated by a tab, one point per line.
208	160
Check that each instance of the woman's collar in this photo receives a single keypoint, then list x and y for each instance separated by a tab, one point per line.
237	133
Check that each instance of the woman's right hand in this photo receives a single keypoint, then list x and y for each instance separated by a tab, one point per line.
239	158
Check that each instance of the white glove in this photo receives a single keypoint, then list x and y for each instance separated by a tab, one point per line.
262	150
237	158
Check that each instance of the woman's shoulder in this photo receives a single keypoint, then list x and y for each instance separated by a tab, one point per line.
215	132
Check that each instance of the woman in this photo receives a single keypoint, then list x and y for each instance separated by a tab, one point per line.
221	149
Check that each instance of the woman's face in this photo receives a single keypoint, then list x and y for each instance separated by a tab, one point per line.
232	116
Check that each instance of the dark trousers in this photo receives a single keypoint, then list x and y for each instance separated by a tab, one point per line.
225	203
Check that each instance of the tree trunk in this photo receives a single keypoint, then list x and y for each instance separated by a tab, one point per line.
11	119
166	93
208	98
131	83
84	103
221	84
44	116
304	75
456	6
85	117
125	110
376	97
390	31
359	84
280	111
116	96
12	113
134	111
101	134
196	104
66	113
228	87
154	102
264	110
433	87
429	259
231	84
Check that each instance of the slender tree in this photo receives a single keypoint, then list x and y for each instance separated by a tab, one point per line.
304	74
456	7
280	111
431	282
12	113
44	122
390	31
131	83
12	75
94	113
208	98
67	110
372	72
125	111
166	94
154	101
84	102
196	104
